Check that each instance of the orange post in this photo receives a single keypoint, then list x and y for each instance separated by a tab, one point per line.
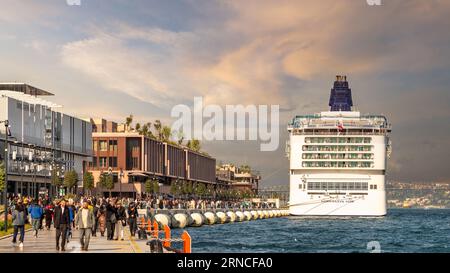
149	225
186	242
142	222
155	229
167	236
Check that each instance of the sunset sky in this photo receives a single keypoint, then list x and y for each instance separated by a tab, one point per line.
110	58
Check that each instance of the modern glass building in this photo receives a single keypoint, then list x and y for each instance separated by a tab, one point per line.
42	139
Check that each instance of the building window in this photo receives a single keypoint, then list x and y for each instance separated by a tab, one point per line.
94	162
135	163
103	145
113	162
113	146
95	145
102	162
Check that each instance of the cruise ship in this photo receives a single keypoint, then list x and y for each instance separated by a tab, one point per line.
338	159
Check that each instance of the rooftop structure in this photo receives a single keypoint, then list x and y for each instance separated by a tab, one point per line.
24	88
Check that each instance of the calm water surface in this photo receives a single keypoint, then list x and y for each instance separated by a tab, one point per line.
402	230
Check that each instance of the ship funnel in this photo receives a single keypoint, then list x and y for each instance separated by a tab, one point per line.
341	95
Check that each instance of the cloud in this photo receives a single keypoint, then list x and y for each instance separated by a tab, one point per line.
116	67
25	12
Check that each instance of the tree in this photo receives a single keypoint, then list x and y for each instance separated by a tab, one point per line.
107	182
174	187
155	186
189	188
158	129
2	177
70	179
56	179
200	190
144	130
149	186
194	145
88	182
138	127
180	137
149	130
166	133
128	122
245	169
210	190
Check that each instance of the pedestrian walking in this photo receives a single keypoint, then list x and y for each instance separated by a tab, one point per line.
84	221
48	214
95	211
61	221
36	212
102	219
18	221
132	218
72	211
121	221
111	219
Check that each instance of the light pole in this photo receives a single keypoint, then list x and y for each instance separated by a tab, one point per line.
5	190
110	176
120	182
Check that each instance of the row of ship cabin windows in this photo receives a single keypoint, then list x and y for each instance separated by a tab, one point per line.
338	140
332	148
335	164
336	156
336	186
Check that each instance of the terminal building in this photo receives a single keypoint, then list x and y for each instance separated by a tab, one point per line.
132	159
41	137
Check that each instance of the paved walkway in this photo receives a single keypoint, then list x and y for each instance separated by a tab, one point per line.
46	243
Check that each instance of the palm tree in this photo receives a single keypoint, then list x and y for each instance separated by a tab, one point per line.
180	137
138	127
166	133
158	128
194	145
128	121
144	130
149	131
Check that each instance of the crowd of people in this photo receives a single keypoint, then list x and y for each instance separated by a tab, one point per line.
91	215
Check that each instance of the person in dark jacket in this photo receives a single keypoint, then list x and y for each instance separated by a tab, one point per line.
48	213
111	219
61	221
132	218
95	210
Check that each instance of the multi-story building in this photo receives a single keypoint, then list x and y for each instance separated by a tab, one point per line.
41	138
132	159
242	179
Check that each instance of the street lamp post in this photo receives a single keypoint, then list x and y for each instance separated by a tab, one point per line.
5	190
120	183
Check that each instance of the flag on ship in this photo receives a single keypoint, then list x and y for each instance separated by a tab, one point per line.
340	127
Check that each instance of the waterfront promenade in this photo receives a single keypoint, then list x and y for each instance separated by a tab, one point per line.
45	243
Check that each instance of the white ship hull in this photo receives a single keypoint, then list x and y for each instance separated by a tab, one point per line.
342	206
330	191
